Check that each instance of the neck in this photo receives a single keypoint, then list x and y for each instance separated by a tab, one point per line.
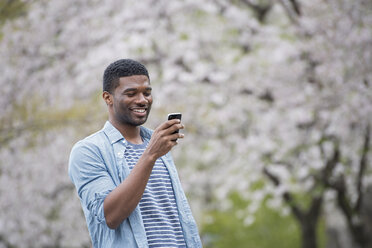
130	133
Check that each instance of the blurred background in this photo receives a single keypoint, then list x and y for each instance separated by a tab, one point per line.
276	99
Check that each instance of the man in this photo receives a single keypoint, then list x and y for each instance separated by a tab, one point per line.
124	174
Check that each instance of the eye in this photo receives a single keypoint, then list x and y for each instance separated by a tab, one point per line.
130	93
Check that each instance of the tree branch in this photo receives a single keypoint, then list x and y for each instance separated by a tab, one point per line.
355	226
288	198
291	13
261	10
331	164
342	199
362	168
296	7
352	213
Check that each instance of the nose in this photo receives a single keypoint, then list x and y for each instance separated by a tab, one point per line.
141	99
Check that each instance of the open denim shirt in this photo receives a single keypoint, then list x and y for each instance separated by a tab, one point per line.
96	167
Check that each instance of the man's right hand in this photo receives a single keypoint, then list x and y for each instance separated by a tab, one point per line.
164	139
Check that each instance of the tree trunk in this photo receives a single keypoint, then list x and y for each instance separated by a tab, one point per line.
308	233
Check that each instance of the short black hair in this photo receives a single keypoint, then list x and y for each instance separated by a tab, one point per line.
121	68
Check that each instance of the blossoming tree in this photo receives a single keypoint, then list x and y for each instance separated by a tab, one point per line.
271	91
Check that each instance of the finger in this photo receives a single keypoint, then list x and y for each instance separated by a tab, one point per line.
169	123
176	136
174	128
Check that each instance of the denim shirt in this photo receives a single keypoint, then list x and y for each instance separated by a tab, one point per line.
96	167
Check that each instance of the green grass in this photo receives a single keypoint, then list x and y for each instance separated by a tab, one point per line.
269	230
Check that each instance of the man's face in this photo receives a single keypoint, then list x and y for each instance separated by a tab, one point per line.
132	100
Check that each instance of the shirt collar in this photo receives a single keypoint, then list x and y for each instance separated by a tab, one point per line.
114	135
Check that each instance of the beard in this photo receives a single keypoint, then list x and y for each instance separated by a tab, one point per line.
128	117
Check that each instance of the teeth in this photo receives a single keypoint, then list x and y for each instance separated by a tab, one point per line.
139	110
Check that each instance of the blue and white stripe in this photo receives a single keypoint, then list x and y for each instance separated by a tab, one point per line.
158	205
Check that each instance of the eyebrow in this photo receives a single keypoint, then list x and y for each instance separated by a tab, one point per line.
135	89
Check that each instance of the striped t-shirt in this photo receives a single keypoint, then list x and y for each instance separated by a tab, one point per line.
158	205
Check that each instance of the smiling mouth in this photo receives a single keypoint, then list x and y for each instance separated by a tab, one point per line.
139	110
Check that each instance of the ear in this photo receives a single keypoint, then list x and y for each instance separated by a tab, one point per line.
107	97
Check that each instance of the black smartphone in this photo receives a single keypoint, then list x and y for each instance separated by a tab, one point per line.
172	116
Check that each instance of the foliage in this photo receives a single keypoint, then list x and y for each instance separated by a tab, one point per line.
11	9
